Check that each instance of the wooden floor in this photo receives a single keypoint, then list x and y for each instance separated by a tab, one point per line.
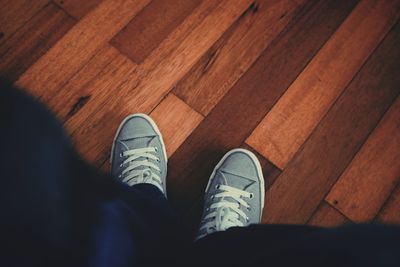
310	86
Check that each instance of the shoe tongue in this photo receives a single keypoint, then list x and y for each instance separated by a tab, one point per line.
236	180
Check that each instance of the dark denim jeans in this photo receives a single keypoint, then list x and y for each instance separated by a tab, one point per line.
58	211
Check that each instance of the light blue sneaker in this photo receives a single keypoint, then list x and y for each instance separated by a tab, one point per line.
138	153
234	196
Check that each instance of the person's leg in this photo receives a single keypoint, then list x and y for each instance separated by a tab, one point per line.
288	245
234	199
58	211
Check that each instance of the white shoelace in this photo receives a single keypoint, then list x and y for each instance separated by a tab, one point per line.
226	213
139	169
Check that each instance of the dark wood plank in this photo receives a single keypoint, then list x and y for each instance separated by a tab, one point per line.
241	109
147	30
390	213
373	173
310	175
77	8
15	13
231	56
32	41
327	216
291	121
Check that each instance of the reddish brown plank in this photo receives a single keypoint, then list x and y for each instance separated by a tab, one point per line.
15	13
291	121
176	120
374	172
78	46
327	216
147	30
240	110
220	68
32	41
307	179
142	89
77	8
391	211
80	88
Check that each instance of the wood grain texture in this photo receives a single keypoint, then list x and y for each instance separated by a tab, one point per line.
15	13
143	89
374	172
298	112
32	41
220	68
80	88
176	120
313	171
117	71
327	216
390	213
241	109
132	76
149	28
76	48
77	8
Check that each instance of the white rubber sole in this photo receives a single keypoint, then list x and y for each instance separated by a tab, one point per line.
153	124
258	166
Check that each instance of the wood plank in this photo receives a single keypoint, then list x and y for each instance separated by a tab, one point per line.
122	71
142	89
374	172
80	88
298	112
15	13
176	120
220	68
77	8
32	41
114	73
76	48
158	19
313	171
390	213
327	216
242	108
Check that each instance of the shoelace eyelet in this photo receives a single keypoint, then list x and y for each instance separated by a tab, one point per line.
251	195
156	149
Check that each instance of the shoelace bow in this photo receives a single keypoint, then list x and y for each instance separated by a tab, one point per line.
226	213
139	168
